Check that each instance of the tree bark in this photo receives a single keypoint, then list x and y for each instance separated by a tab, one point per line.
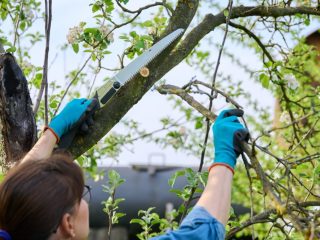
18	127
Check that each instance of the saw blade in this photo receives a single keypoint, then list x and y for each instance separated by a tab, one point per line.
111	86
133	68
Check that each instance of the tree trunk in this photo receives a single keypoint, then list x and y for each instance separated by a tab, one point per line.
17	122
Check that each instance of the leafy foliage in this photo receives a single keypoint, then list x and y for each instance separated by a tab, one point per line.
286	143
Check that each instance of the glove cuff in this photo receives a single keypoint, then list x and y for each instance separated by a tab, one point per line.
226	157
53	132
221	164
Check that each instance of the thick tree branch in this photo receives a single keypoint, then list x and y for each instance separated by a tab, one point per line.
133	91
170	89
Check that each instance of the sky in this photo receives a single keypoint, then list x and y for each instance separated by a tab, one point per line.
67	14
144	112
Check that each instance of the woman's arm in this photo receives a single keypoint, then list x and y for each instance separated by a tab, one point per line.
208	217
43	147
228	132
216	197
74	113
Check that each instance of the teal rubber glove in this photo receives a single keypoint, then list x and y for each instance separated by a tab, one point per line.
228	134
72	114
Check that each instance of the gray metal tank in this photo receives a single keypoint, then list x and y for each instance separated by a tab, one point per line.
145	186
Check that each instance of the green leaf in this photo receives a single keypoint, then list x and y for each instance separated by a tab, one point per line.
75	47
173	178
269	64
133	34
264	79
226	12
53	104
11	49
148	23
22	25
4	15
138	221
91	30
37	80
1	176
93	57
307	21
95	8
199	123
120	215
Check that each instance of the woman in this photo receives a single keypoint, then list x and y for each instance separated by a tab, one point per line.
43	200
42	197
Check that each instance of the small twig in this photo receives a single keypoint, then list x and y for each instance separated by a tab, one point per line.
265	217
94	79
70	84
170	89
267	186
291	123
48	19
140	9
110	215
16	25
247	167
304	160
228	98
252	35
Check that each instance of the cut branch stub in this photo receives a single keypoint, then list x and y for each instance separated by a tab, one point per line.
17	119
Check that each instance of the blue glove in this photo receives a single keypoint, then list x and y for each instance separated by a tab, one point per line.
228	134
73	114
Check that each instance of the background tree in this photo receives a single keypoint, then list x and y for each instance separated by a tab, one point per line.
282	169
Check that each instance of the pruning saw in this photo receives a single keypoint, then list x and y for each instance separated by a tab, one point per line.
104	93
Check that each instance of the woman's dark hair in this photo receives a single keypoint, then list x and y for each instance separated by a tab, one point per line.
35	195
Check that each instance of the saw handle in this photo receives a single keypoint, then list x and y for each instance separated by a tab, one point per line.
81	127
116	85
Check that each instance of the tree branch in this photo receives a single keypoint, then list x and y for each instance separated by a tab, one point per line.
133	91
48	18
265	217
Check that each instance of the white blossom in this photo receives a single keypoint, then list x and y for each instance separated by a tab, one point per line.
285	117
174	142
105	31
74	34
292	81
28	13
152	31
110	37
25	64
182	131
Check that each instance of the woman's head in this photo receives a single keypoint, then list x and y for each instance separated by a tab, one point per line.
38	198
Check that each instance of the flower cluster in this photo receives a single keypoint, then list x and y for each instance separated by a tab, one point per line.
285	117
292	81
105	31
183	131
152	31
28	13
74	34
